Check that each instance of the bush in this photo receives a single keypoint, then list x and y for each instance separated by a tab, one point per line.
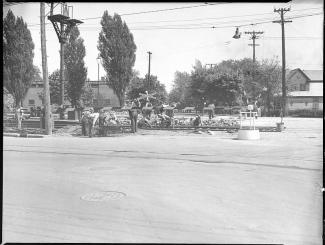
306	113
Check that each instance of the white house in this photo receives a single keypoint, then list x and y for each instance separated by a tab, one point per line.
305	90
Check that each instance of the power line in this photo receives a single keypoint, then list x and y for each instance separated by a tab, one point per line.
9	4
159	10
184	27
152	11
225	17
189	27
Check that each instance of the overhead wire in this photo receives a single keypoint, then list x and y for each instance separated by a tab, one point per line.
225	17
217	25
152	11
201	25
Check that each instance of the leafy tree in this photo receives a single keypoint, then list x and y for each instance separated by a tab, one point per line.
37	75
180	91
140	85
18	54
87	96
54	82
117	50
18	57
75	66
8	101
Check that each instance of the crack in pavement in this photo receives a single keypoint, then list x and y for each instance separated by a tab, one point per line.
210	162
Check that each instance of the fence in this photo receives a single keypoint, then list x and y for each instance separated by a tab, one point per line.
37	123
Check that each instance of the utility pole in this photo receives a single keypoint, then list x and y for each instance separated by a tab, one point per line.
149	83
62	32
282	11
254	35
62	69
47	102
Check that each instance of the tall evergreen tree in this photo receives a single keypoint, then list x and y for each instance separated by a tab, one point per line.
18	54
75	66
117	50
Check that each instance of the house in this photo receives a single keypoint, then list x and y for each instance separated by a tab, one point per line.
106	95
305	90
33	96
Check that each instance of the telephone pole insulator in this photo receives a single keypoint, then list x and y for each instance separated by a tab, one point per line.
254	36
284	105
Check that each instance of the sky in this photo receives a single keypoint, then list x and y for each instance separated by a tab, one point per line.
178	37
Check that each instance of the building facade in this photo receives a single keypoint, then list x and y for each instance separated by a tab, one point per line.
305	90
103	96
33	96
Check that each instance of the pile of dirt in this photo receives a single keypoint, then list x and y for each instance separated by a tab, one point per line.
70	130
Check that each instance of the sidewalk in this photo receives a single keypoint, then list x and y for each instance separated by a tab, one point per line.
25	135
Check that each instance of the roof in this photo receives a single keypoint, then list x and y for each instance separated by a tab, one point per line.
314	75
311	75
317	93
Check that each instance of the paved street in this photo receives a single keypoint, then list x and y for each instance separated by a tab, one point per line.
166	187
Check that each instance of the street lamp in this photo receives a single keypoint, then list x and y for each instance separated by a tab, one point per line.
98	62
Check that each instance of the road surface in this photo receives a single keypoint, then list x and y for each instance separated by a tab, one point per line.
166	187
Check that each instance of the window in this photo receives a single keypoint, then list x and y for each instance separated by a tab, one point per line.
291	103
306	103
31	102
107	102
94	85
302	87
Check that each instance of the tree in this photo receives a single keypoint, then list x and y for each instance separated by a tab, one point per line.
140	85
75	66
180	91
87	96
54	81
18	57
37	75
8	101
117	50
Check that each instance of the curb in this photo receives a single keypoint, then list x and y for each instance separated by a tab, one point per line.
25	135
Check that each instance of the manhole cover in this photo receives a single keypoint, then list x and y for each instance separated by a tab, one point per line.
101	168
103	196
311	137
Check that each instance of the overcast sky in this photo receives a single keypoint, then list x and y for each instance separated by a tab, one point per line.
178	37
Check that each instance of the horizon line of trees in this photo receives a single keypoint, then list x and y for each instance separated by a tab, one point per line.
230	82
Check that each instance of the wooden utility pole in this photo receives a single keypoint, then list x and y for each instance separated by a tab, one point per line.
254	35
47	102
62	69
284	103
149	83
66	24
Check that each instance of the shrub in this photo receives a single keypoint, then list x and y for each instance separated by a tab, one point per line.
306	113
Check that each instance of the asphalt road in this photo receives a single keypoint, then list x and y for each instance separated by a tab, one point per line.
166	187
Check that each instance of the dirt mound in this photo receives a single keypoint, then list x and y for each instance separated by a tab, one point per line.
70	130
